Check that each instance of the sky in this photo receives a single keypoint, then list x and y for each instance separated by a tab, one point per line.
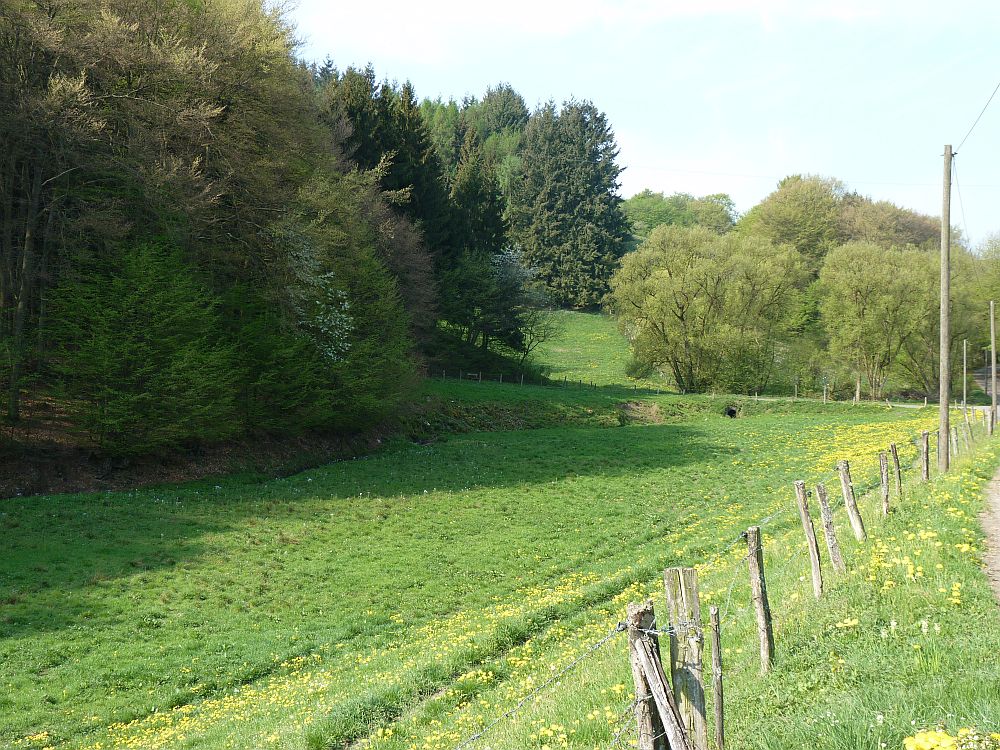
720	96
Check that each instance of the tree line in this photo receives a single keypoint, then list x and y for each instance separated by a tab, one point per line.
203	236
814	286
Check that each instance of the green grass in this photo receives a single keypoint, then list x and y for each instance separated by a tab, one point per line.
404	599
589	348
308	611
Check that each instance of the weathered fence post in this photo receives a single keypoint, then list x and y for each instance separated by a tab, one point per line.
810	531
828	529
522	378
899	471
851	502
925	456
717	704
639	619
953	433
758	592
883	470
665	728
686	647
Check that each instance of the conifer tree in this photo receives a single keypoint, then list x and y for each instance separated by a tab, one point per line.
565	210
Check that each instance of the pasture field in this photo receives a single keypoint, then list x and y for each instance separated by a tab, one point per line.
590	348
403	599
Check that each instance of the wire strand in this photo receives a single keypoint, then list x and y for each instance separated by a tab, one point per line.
619	628
981	113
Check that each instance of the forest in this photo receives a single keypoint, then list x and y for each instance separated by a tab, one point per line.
204	236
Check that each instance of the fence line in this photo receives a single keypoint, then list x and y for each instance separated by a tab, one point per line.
647	669
522	378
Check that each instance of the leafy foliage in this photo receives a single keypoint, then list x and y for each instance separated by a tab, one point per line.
192	128
647	210
709	308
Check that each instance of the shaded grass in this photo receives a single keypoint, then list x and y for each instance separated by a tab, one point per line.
305	595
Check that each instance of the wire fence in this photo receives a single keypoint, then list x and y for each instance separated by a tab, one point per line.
623	727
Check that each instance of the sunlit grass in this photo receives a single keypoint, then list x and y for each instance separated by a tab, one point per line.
383	593
589	348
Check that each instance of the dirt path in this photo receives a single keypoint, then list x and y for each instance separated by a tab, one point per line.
991	524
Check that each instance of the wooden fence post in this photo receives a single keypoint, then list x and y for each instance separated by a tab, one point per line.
828	529
899	471
639	618
925	456
850	501
645	655
883	470
758	592
686	647
810	531
717	704
953	433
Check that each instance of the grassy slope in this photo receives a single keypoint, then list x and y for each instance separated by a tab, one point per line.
408	597
588	347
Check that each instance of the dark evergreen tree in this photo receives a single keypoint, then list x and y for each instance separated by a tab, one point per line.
565	211
501	109
478	205
387	131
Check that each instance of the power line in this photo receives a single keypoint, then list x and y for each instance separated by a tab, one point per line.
978	118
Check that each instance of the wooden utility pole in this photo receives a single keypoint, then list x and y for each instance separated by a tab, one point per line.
945	358
993	366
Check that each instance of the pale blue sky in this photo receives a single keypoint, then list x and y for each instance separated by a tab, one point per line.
720	95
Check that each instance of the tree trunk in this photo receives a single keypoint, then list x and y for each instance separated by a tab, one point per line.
23	299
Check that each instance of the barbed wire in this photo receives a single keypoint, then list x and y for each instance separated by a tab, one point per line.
683	626
623	724
618	629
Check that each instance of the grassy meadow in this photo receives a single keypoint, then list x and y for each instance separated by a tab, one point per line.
588	347
403	600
